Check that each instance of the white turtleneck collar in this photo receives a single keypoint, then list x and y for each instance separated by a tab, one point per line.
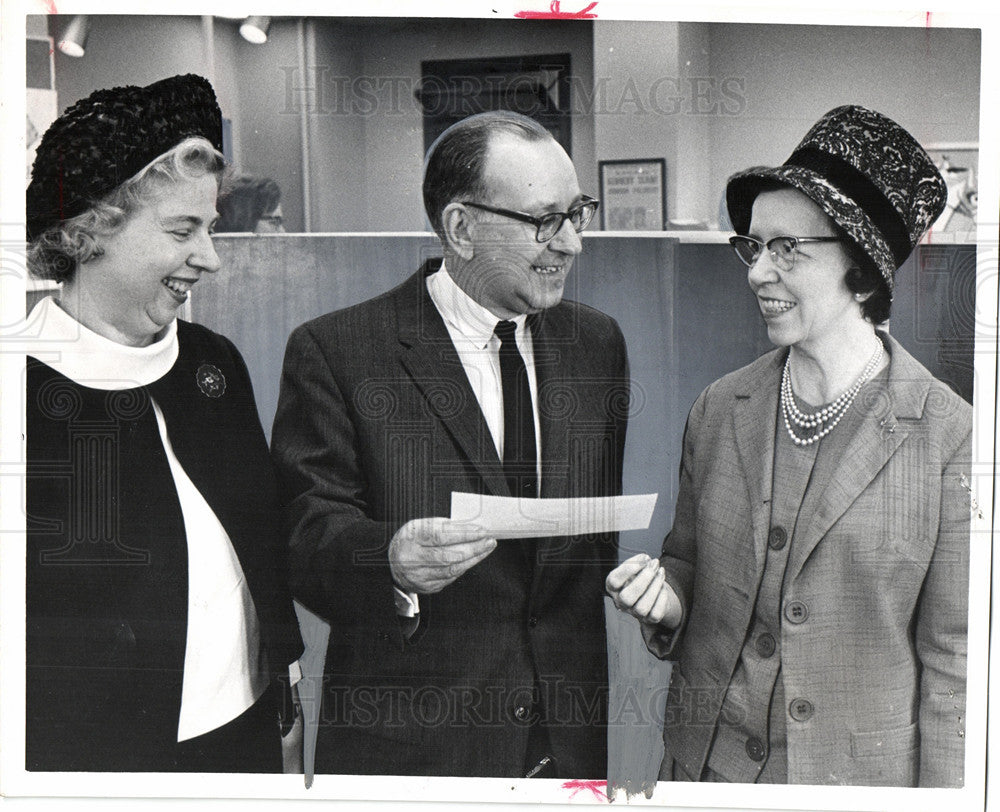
92	360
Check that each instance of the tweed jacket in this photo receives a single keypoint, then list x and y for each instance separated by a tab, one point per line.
874	602
107	561
377	425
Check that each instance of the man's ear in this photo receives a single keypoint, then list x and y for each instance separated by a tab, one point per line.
457	225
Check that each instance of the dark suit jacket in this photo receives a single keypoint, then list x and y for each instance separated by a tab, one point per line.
107	553
377	425
880	575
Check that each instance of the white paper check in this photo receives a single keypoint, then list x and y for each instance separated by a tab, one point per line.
507	517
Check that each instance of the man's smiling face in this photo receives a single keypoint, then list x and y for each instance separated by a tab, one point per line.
510	272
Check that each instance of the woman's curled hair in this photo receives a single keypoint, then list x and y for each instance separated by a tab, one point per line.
58	251
864	277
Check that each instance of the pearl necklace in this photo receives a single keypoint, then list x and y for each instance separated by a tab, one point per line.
826	419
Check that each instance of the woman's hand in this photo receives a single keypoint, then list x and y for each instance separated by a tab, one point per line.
639	586
293	740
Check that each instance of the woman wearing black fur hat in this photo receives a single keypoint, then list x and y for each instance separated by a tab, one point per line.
813	590
159	625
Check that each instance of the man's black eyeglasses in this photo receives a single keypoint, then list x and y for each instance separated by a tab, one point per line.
548	225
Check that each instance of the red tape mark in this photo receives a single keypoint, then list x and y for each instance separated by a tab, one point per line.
554	13
598	788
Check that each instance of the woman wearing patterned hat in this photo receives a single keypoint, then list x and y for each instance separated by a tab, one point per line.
159	625
813	590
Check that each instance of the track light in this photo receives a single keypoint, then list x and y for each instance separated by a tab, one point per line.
74	38
254	29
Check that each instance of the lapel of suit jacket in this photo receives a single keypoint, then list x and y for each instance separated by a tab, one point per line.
754	414
430	358
552	374
838	480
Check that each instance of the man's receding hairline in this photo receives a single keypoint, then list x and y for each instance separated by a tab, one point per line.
514	136
488	132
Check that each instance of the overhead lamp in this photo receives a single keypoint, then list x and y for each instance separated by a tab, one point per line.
254	29
74	38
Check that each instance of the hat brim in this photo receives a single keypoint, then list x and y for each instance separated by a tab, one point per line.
742	190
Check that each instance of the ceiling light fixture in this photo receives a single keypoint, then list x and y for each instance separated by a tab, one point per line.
254	29
74	38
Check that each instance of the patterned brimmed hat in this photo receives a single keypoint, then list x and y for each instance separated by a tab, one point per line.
867	173
106	138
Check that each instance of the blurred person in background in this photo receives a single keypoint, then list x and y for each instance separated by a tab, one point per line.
250	204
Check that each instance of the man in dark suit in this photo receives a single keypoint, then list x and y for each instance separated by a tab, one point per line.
451	653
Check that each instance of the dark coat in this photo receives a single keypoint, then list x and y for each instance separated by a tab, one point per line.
107	552
377	425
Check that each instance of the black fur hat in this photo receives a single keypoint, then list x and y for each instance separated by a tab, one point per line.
106	138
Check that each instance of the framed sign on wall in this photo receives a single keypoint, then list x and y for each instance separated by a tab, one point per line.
633	194
958	163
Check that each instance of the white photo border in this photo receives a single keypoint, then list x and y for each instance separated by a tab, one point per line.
358	791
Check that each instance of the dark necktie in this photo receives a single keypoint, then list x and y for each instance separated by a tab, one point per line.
519	456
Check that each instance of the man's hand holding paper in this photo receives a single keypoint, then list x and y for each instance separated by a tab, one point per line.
425	555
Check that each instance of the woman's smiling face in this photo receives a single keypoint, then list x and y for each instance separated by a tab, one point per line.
133	289
810	304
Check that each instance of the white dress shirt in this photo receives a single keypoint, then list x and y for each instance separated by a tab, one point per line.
471	326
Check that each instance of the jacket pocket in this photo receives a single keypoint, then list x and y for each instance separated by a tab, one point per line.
691	713
885	742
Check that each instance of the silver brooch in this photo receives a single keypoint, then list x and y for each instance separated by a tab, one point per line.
211	381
